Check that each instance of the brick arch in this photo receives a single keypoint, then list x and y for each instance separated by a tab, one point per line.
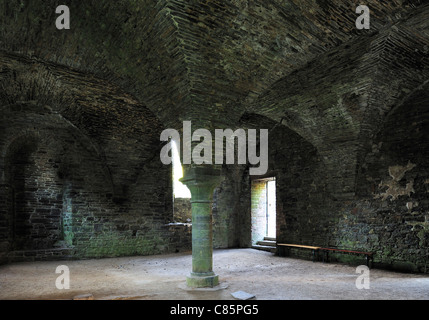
401	141
124	132
8	149
301	178
34	187
50	129
36	158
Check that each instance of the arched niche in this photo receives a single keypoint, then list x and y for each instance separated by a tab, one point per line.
35	204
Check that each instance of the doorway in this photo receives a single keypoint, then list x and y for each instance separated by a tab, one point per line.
263	212
271	209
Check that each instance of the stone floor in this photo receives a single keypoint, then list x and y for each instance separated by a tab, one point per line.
260	273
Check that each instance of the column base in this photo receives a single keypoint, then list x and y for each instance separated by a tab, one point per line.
202	280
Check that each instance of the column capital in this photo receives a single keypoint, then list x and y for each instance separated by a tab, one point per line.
201	181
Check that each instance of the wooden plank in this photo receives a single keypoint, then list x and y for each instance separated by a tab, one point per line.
348	251
298	246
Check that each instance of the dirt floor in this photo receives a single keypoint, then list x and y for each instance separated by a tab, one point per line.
162	277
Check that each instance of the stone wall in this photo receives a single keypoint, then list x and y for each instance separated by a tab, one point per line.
80	178
182	210
81	114
58	196
386	212
391	216
306	210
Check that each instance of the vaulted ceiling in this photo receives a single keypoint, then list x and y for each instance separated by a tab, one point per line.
206	60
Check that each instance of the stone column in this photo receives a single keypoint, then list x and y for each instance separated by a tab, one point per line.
202	181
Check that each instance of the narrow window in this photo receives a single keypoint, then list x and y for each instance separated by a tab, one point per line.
179	189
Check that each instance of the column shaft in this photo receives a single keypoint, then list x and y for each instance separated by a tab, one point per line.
202	182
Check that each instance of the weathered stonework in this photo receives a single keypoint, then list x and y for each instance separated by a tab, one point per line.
82	110
76	187
394	189
182	210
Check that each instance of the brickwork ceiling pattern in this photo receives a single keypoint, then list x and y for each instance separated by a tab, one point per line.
210	61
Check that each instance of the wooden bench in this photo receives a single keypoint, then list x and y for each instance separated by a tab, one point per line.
289	246
315	250
368	255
